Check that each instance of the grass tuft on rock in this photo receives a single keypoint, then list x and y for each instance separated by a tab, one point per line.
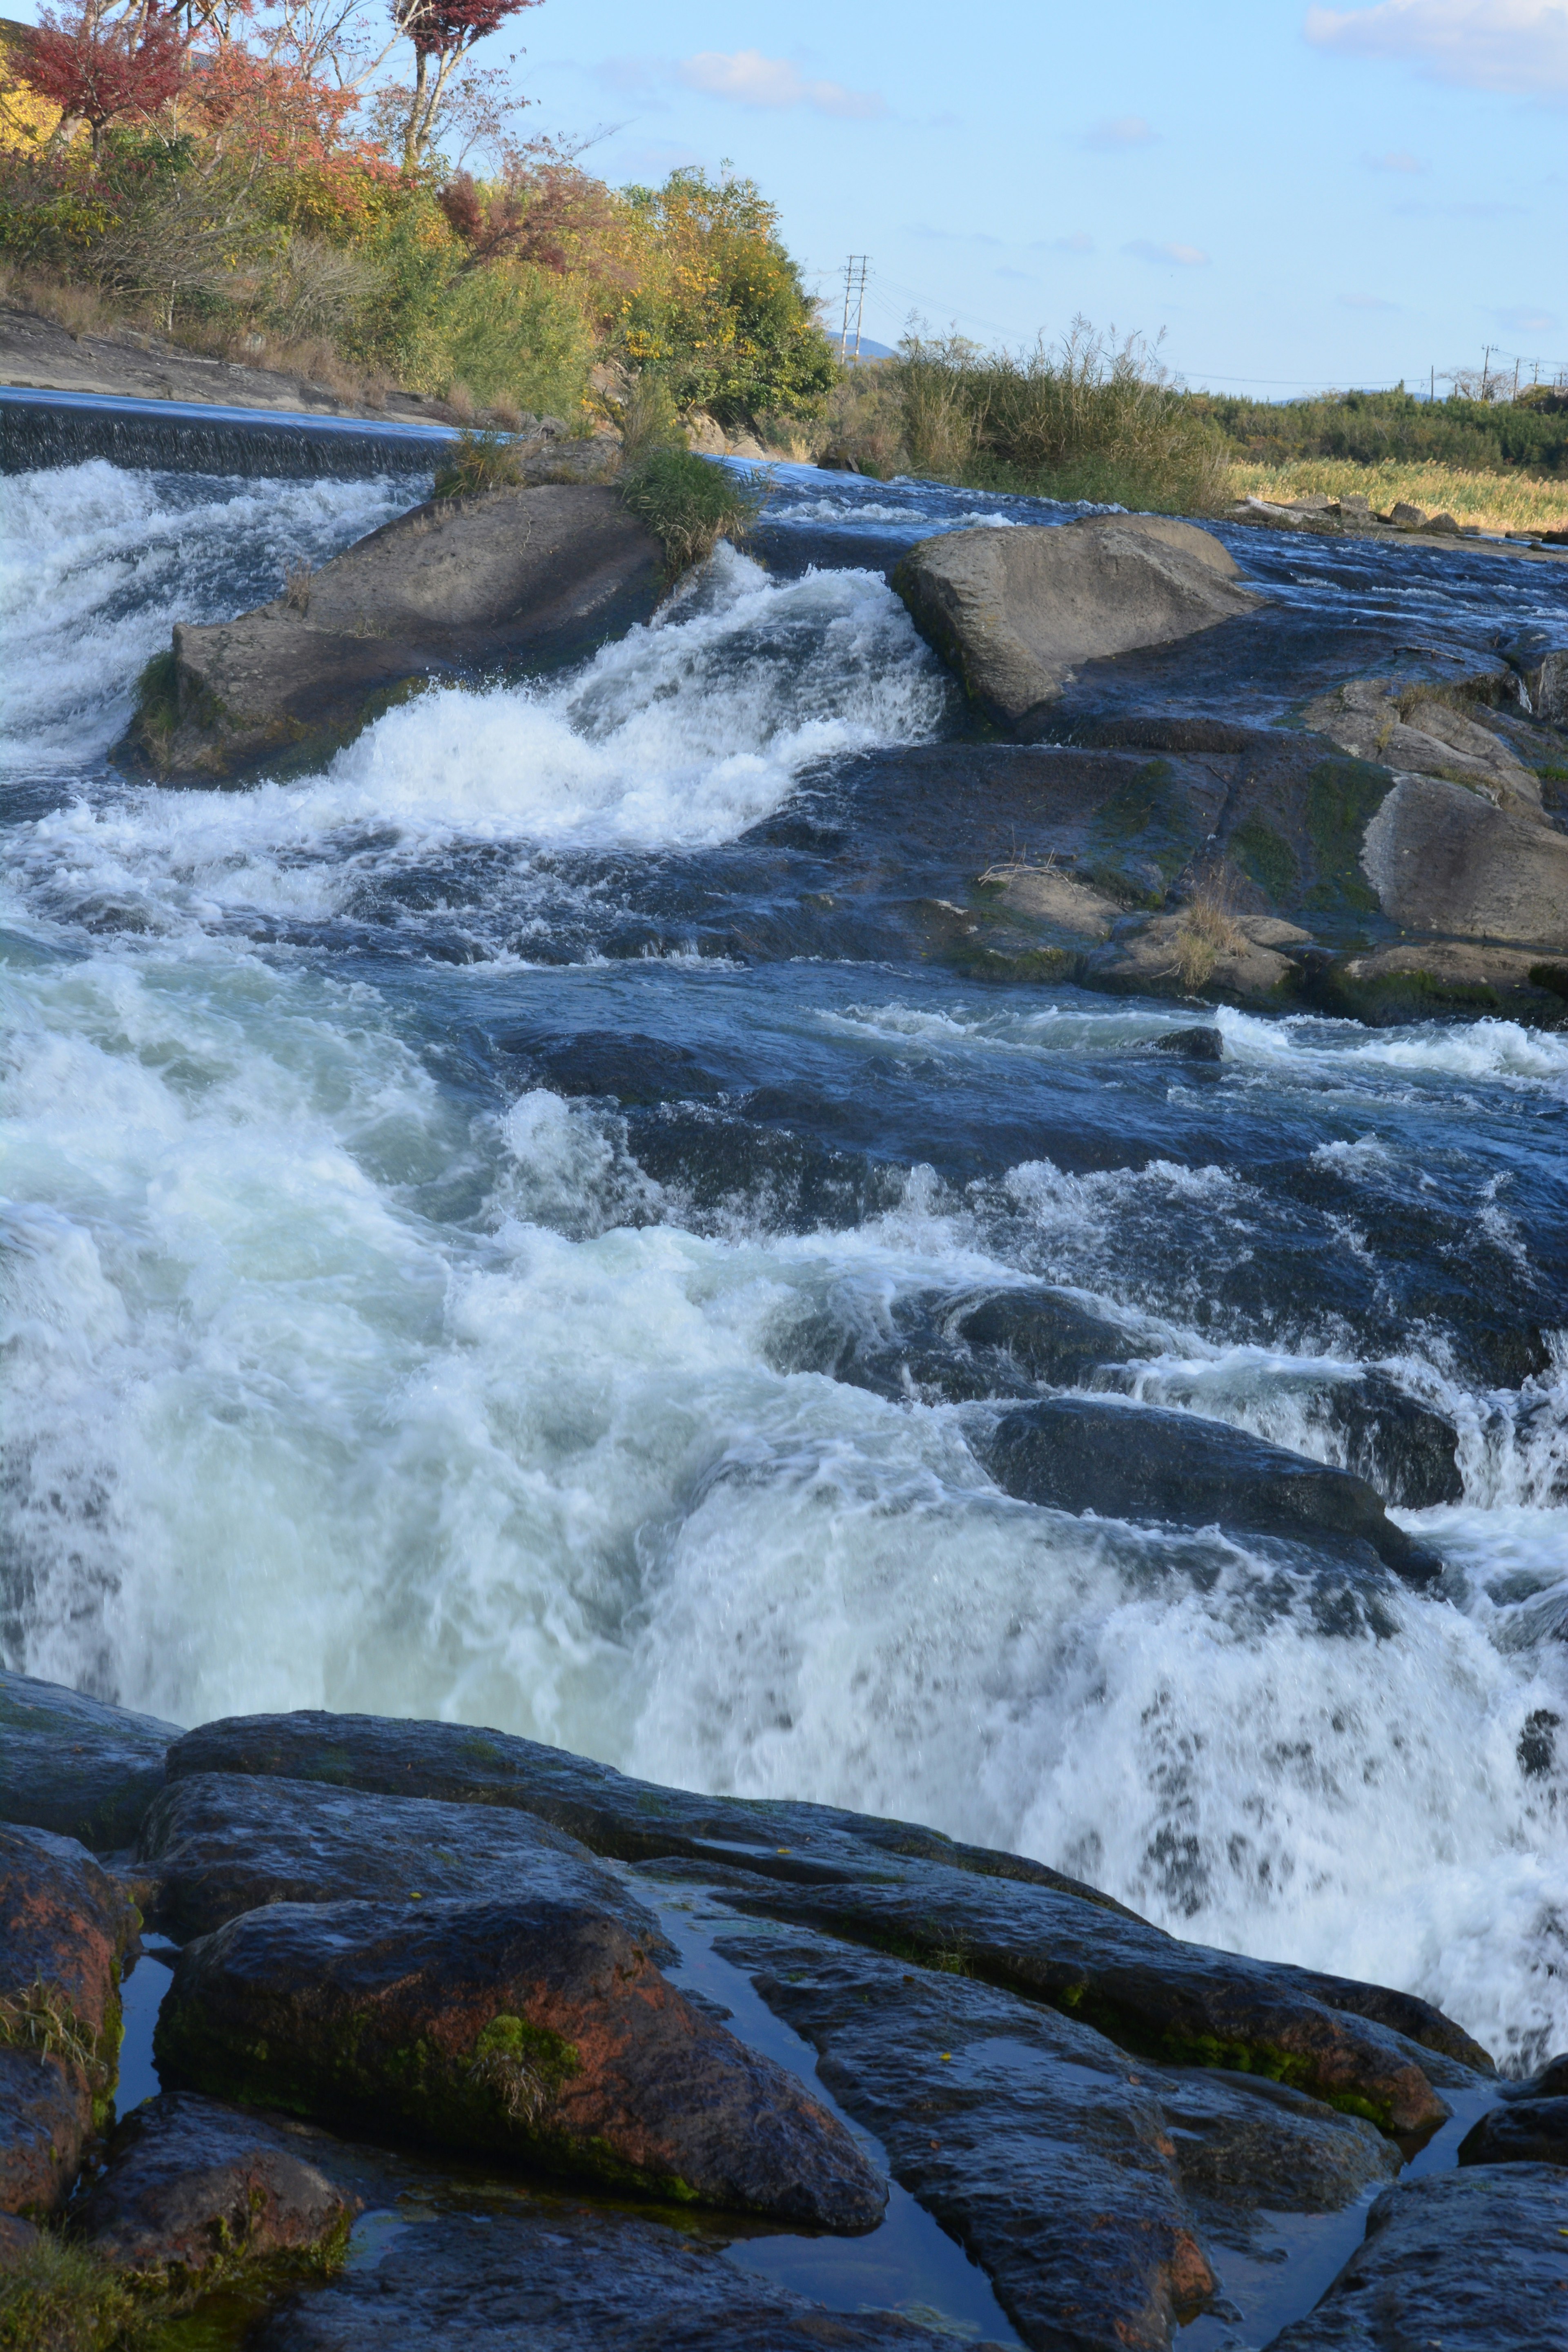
690	504
1204	934
479	461
60	2298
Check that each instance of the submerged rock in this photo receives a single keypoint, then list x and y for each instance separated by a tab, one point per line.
557	2278
76	1765
190	2182
1143	1461
1469	2261
217	1845
536	576
1199	1044
529	2028
1014	610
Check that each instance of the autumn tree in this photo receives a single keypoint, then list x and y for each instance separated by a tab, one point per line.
441	32
97	69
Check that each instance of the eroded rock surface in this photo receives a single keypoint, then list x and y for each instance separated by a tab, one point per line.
534	2028
46	2110
563	2280
1014	610
190	2182
1442	858
1468	2260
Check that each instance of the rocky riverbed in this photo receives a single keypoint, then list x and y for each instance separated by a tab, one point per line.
442	2048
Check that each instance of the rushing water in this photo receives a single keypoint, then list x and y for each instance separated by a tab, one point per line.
426	1180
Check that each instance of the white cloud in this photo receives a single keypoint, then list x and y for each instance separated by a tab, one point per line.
1123	130
1186	256
1518	46
750	79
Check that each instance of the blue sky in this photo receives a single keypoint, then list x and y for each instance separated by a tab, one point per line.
1299	195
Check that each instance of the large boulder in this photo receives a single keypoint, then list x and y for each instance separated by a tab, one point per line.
1444	858
530	2028
76	1765
1014	610
530	577
190	2183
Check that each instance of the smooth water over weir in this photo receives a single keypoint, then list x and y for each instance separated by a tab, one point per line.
443	1189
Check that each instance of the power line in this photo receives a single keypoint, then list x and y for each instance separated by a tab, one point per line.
854	270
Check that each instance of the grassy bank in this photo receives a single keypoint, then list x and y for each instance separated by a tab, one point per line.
1499	502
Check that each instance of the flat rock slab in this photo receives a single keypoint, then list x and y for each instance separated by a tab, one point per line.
535	576
1014	610
1073	2173
190	2182
1143	1461
1469	2261
557	2280
218	1843
532	2029
75	1765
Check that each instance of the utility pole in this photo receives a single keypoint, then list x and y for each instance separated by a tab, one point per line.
1432	387
1485	365
854	291
1516	379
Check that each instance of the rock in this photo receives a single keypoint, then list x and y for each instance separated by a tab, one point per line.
1540	661
1468	2260
527	2028
217	1844
18	2240
1524	2131
1198	1045
534	576
1407	517
1446	523
704	434
1442	859
1142	1462
1354	506
1313	502
1031	2139
1014	610
66	1929
45	2113
561	2278
1066	904
1390	721
954	1347
1404	1449
1422	979
1552	2083
76	1766
1249	965
190	2182
746	444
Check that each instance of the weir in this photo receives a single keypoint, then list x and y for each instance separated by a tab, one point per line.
40	429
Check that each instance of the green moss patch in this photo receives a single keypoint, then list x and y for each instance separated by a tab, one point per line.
1342	797
1265	857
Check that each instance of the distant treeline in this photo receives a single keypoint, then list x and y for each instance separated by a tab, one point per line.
1529	436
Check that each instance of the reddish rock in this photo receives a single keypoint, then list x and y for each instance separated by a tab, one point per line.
534	2028
66	1928
190	2182
46	2109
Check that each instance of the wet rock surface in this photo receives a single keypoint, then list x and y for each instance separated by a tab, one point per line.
1469	2261
1082	1454
46	2110
190	2183
215	1844
568	2281
1522	2131
75	1765
534	2028
1015	609
66	1926
535	576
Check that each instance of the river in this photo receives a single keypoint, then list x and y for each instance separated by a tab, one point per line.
442	1191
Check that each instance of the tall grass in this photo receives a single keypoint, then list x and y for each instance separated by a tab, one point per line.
1511	502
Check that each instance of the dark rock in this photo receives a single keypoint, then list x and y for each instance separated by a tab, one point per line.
74	1765
618	1062
1552	2083
66	1928
1403	1448
1199	1045
1469	2261
1068	2170
45	2111
1049	1334
190	2182
18	2241
984	1344
1142	1461
1022	1924
535	576
532	2029
217	1845
1525	2131
1179	2003
1014	610
554	2278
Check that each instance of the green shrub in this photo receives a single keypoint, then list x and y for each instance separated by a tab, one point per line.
479	461
690	504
